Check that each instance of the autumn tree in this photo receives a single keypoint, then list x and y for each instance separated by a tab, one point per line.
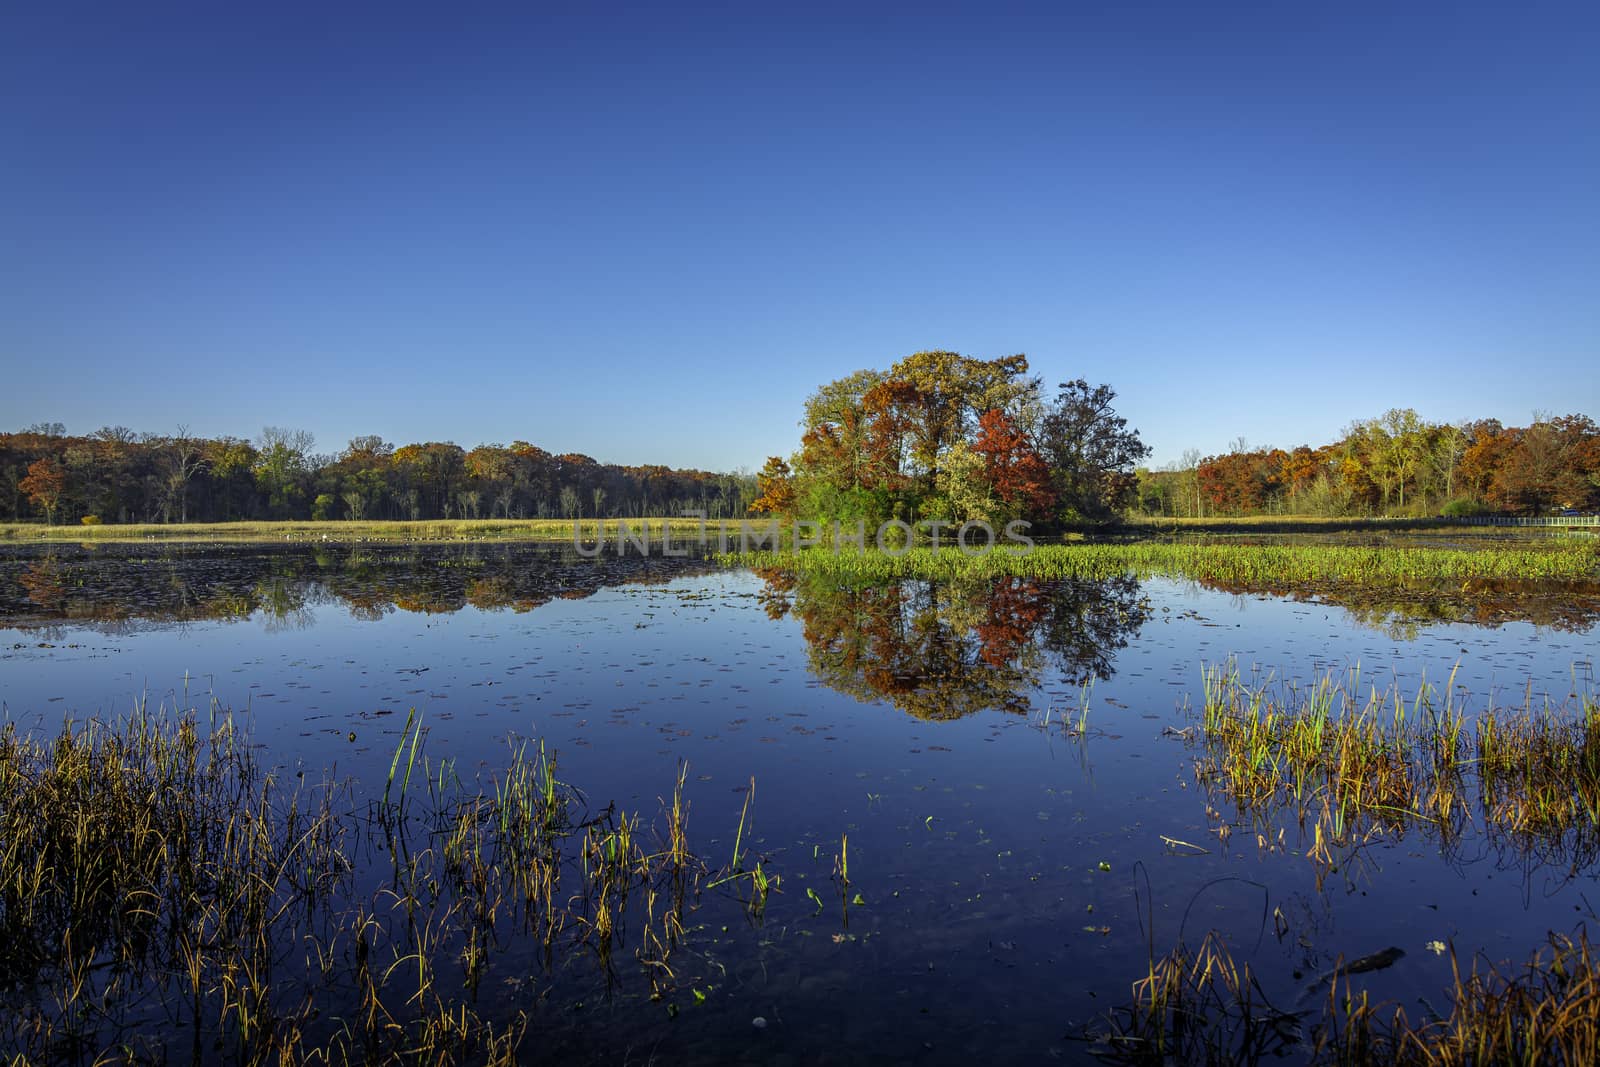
433	472
1398	445
946	394
1242	483
1447	446
282	462
877	444
121	475
44	484
1018	474
1488	443
833	444
776	486
1552	465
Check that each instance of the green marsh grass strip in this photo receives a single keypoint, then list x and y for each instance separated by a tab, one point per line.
1222	563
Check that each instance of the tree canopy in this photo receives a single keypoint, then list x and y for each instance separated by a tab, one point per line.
1395	464
116	475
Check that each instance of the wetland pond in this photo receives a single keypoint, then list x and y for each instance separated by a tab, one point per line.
980	808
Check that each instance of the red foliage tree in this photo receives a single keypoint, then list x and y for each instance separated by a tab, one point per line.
1016	471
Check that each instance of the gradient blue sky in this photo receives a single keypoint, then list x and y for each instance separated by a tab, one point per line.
648	234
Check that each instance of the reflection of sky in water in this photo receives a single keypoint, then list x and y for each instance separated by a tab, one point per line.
977	842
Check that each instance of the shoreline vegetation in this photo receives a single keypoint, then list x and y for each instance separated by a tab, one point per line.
1278	565
397	531
561	530
936	435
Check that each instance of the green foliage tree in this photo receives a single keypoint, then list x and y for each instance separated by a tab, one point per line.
1092	451
281	466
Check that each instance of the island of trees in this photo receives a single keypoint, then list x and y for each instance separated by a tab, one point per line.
942	436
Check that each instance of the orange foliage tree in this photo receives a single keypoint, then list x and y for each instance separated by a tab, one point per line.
44	484
776	487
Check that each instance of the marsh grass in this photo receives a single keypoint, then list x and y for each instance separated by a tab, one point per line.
1205	1007
1274	565
1348	765
377	531
147	852
1545	1012
163	896
1199	1007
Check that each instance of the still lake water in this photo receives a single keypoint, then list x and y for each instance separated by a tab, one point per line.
1011	873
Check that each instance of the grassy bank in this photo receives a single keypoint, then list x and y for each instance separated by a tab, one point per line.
1554	560
334	531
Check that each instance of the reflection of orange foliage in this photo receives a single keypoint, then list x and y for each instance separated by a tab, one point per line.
370	583
42	580
486	594
901	643
1479	602
946	649
424	602
775	595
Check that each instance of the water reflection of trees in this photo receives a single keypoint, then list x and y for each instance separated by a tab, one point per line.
122	586
945	649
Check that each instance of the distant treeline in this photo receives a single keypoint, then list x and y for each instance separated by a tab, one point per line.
116	475
1398	464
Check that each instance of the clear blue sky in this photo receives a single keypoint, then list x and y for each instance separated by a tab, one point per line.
648	235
